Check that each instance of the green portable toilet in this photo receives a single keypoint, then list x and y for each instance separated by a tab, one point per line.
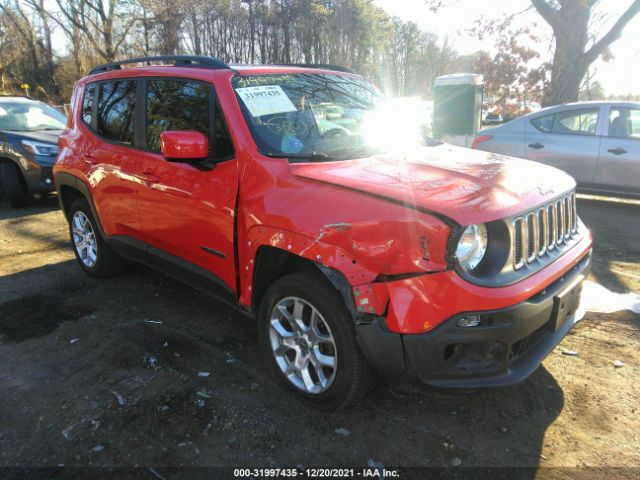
457	104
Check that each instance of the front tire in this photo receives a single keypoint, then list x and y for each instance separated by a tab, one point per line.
13	185
308	342
92	252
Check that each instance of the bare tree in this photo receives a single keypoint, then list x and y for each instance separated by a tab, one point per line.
104	23
27	49
577	41
569	20
44	40
168	18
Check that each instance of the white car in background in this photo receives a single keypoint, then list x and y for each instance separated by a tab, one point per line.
598	143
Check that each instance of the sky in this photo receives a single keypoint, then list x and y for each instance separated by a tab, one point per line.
619	76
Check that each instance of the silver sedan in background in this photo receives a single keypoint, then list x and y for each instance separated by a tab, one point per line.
598	143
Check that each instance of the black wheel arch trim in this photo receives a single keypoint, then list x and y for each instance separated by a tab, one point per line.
8	156
64	179
272	263
342	285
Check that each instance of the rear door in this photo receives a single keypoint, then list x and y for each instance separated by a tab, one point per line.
568	140
188	208
111	158
619	165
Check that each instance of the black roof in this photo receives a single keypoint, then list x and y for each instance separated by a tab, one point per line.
203	62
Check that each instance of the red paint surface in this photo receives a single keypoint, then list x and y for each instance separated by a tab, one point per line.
420	304
177	144
351	216
469	186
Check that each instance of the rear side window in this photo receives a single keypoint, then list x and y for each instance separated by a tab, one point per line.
577	122
87	103
116	108
544	124
176	105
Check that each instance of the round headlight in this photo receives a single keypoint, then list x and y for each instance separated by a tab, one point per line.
472	246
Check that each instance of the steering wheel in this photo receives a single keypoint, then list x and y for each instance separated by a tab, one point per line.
335	134
280	125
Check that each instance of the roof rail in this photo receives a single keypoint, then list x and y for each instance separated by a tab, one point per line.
178	60
325	66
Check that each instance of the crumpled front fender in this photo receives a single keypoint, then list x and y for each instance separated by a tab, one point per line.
362	252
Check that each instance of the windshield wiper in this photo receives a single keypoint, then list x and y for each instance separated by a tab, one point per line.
314	156
362	152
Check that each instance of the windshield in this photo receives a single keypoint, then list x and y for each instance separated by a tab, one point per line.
310	116
30	117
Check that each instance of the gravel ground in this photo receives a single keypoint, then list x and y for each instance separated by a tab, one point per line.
106	373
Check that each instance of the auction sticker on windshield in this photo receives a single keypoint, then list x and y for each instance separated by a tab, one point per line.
265	100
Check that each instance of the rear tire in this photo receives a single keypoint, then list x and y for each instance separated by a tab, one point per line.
299	346
92	252
13	185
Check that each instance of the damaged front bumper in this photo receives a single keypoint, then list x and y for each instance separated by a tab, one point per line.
506	346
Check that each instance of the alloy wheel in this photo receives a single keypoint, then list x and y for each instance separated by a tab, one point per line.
84	239
303	345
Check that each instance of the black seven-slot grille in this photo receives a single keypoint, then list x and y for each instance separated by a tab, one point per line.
538	232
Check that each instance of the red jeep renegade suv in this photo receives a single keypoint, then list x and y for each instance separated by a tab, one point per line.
293	193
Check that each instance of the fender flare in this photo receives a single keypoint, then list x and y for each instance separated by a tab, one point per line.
64	179
335	262
339	281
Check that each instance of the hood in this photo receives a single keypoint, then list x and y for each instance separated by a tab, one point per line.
47	136
468	186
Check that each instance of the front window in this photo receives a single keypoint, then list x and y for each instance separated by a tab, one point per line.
314	116
176	105
624	122
24	116
186	105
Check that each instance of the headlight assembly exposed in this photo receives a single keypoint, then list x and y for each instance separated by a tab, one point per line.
472	246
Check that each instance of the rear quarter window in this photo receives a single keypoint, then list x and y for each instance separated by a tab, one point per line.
543	124
87	103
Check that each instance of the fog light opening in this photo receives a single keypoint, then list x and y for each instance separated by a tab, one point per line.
470	321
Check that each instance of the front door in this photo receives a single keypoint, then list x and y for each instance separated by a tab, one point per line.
188	208
619	165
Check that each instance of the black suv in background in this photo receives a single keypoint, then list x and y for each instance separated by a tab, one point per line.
29	133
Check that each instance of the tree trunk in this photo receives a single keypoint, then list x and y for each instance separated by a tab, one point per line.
568	70
197	46
171	20
571	59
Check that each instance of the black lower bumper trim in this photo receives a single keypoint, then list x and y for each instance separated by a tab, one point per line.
39	179
505	348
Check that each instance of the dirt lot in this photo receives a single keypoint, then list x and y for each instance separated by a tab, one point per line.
106	373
